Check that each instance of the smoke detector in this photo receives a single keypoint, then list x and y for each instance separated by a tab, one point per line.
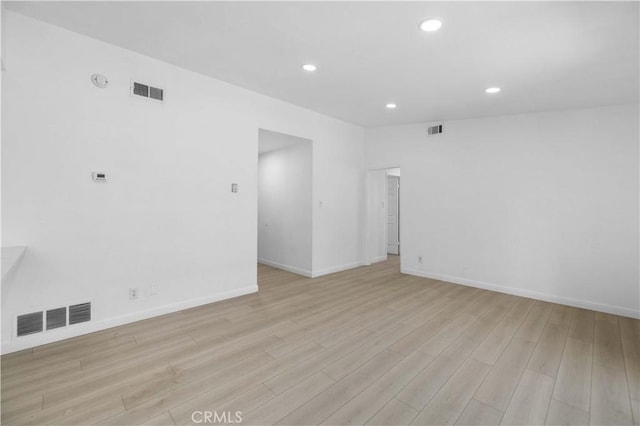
100	80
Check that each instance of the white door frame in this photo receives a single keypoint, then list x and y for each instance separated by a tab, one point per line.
387	206
367	257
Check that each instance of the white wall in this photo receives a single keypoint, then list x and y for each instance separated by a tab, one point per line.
543	205
167	216
285	208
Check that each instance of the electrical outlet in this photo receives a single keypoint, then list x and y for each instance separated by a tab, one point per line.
153	290
419	259
133	293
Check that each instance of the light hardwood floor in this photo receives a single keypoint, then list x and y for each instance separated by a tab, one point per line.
365	346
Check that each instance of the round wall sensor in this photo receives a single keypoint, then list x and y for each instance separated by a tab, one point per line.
100	80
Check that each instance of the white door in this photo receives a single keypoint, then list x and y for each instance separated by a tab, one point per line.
393	214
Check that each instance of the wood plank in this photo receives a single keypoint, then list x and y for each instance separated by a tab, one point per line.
603	316
610	402
530	400
283	404
534	323
233	406
564	414
163	419
631	352
582	325
141	393
418	336
608	334
16	409
490	349
426	384
548	352
478	414
561	315
573	383
93	414
230	383
358	357
328	401
447	405
447	335
504	377
365	405
629	328
294	375
395	412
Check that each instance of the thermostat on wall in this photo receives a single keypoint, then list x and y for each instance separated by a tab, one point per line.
99	176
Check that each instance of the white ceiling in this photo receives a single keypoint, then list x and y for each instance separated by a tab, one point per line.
544	55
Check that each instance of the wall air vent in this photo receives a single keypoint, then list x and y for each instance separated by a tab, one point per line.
141	89
147	91
434	130
79	313
155	93
36	322
29	323
56	318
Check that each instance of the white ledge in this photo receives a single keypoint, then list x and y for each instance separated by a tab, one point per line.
11	257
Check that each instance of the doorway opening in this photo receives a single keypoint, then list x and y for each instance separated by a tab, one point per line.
383	215
393	211
284	202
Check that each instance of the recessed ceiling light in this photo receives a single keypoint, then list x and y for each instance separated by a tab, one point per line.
391	106
493	90
309	67
430	25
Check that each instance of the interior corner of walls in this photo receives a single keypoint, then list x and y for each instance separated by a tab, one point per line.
288	268
545	297
334	269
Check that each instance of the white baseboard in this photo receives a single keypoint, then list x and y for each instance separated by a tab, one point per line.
578	303
335	269
295	270
30	341
378	259
307	273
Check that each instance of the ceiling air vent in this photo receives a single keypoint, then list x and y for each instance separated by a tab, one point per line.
434	130
147	91
56	318
29	323
79	313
